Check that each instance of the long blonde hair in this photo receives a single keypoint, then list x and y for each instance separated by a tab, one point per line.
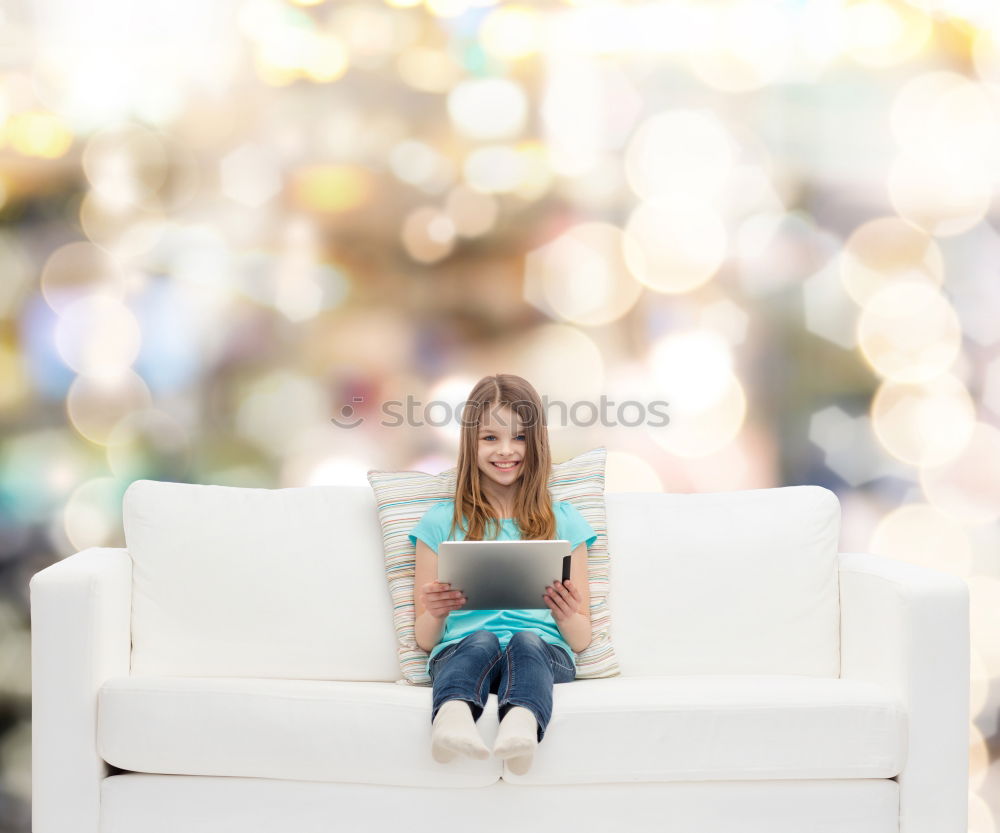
532	500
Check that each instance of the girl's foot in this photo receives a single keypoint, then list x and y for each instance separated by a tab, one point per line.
454	733
517	739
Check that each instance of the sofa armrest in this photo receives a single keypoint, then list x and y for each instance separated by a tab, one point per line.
81	611
906	627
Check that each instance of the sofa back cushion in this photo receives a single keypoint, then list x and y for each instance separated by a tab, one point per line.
727	582
241	582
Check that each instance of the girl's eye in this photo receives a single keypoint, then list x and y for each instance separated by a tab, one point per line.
491	437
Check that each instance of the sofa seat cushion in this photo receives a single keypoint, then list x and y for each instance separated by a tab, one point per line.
719	727
610	730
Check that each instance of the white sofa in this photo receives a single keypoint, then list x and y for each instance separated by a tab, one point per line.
235	669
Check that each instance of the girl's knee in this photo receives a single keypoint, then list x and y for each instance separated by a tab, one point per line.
487	638
529	637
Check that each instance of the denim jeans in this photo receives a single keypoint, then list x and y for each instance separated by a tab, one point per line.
521	675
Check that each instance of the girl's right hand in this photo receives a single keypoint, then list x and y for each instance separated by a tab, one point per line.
438	599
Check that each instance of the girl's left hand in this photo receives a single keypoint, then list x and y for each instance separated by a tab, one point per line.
563	599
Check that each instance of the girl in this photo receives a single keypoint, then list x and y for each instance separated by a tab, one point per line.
501	492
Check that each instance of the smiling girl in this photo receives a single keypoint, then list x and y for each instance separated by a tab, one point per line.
501	492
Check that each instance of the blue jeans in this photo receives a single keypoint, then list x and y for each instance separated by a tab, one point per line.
521	675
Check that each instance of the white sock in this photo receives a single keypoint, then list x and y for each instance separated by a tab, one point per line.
517	739
454	732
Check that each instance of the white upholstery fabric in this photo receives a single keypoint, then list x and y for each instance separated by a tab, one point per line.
743	736
235	582
179	804
602	731
725	582
79	639
906	628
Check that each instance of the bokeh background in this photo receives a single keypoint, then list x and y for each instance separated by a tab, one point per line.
231	229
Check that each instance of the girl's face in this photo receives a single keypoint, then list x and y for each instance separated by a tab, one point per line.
502	441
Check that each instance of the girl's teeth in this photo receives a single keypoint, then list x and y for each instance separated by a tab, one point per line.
510	466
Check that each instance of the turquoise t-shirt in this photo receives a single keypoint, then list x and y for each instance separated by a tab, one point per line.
433	528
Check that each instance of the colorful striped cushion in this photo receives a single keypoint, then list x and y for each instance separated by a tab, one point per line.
402	497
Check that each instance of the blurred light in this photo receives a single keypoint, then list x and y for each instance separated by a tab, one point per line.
597	187
981	818
496	169
251	174
488	108
948	128
967	486
674	247
14	386
472	213
37	468
778	249
428	234
417	163
627	472
373	33
926	424
979	760
882	34
946	197
693	369
80	269
684	154
587	109
325	60
512	31
908	332
289	45
749	46
986	55
39	134
92	514
919	534
15	682
698	433
540	356
123	230
980	684
15	754
941	116
427	69
143	440
302	285
829	312
726	318
98	336
984	619
991	386
275	408
448	394
446	8
125	164
338	471
581	276
748	190
849	447
94	405
375	341
888	249
331	188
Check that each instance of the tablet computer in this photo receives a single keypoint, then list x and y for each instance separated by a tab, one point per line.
503	575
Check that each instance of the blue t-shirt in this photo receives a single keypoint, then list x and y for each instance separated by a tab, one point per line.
433	528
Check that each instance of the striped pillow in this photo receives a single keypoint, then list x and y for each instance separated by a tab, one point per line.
402	497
